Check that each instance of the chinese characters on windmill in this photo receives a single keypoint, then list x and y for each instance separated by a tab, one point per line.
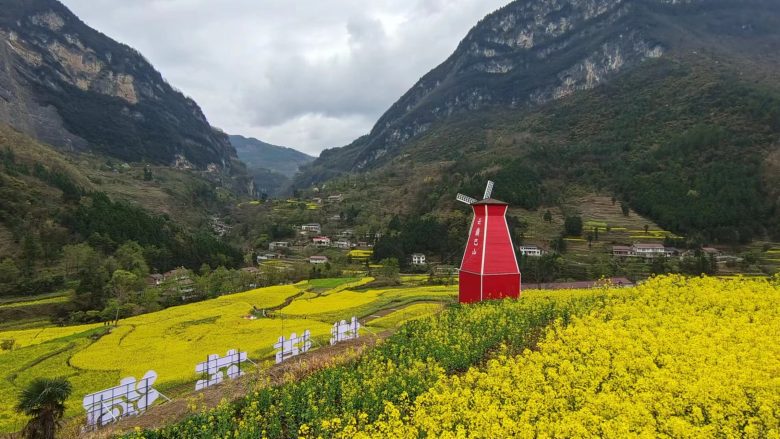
216	368
129	398
489	269
295	345
344	330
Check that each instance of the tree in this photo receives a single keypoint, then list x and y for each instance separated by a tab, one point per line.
147	173
122	284
614	200
646	228
573	225
130	257
31	250
548	216
9	273
44	401
390	269
624	208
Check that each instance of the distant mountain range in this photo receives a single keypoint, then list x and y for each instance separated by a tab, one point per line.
70	86
271	166
670	105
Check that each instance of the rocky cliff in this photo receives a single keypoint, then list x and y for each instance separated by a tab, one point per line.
531	52
73	87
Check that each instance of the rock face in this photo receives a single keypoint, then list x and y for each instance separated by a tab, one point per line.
531	52
73	87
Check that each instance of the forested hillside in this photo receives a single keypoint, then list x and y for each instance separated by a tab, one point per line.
686	134
52	204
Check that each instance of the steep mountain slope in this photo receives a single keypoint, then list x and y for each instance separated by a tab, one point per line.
270	165
73	87
673	107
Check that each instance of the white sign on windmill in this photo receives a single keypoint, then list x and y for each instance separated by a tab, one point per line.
217	368
295	345
344	330
131	397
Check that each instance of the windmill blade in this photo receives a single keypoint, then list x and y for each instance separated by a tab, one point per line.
488	190
465	199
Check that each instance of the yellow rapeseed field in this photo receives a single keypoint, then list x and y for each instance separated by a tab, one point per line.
403	315
674	357
29	337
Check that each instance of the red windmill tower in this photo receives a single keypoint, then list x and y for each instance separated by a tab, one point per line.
489	269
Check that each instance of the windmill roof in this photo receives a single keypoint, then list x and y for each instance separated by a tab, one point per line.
490	201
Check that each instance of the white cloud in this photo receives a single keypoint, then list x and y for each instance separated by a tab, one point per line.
309	74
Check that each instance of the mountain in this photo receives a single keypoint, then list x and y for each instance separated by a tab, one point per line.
72	87
672	106
270	165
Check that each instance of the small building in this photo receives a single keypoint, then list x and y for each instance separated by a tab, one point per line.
711	251
335	217
348	233
321	241
418	259
530	250
649	250
311	227
343	244
154	279
622	251
335	198
318	260
671	252
278	244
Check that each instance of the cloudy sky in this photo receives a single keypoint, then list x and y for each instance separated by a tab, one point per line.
309	74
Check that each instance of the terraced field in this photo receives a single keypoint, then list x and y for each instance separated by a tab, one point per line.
173	340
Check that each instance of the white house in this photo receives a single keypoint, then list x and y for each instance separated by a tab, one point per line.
278	244
311	227
418	259
530	250
321	241
335	198
649	250
318	260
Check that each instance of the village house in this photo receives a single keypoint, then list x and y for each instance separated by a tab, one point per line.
278	244
154	279
335	198
180	282
530	250
348	233
649	250
622	251
711	251
318	260
311	227
321	241
343	244
418	259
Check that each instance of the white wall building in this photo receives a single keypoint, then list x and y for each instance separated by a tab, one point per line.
321	241
530	250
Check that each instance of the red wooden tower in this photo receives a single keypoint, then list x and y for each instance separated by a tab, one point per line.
489	269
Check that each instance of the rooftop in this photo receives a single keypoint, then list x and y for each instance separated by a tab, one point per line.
490	201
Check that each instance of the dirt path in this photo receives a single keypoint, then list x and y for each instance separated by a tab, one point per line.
178	409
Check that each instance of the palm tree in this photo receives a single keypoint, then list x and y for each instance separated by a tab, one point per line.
44	400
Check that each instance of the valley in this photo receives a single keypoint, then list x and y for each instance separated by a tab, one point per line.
636	144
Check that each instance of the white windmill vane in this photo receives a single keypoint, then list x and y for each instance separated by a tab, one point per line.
469	200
